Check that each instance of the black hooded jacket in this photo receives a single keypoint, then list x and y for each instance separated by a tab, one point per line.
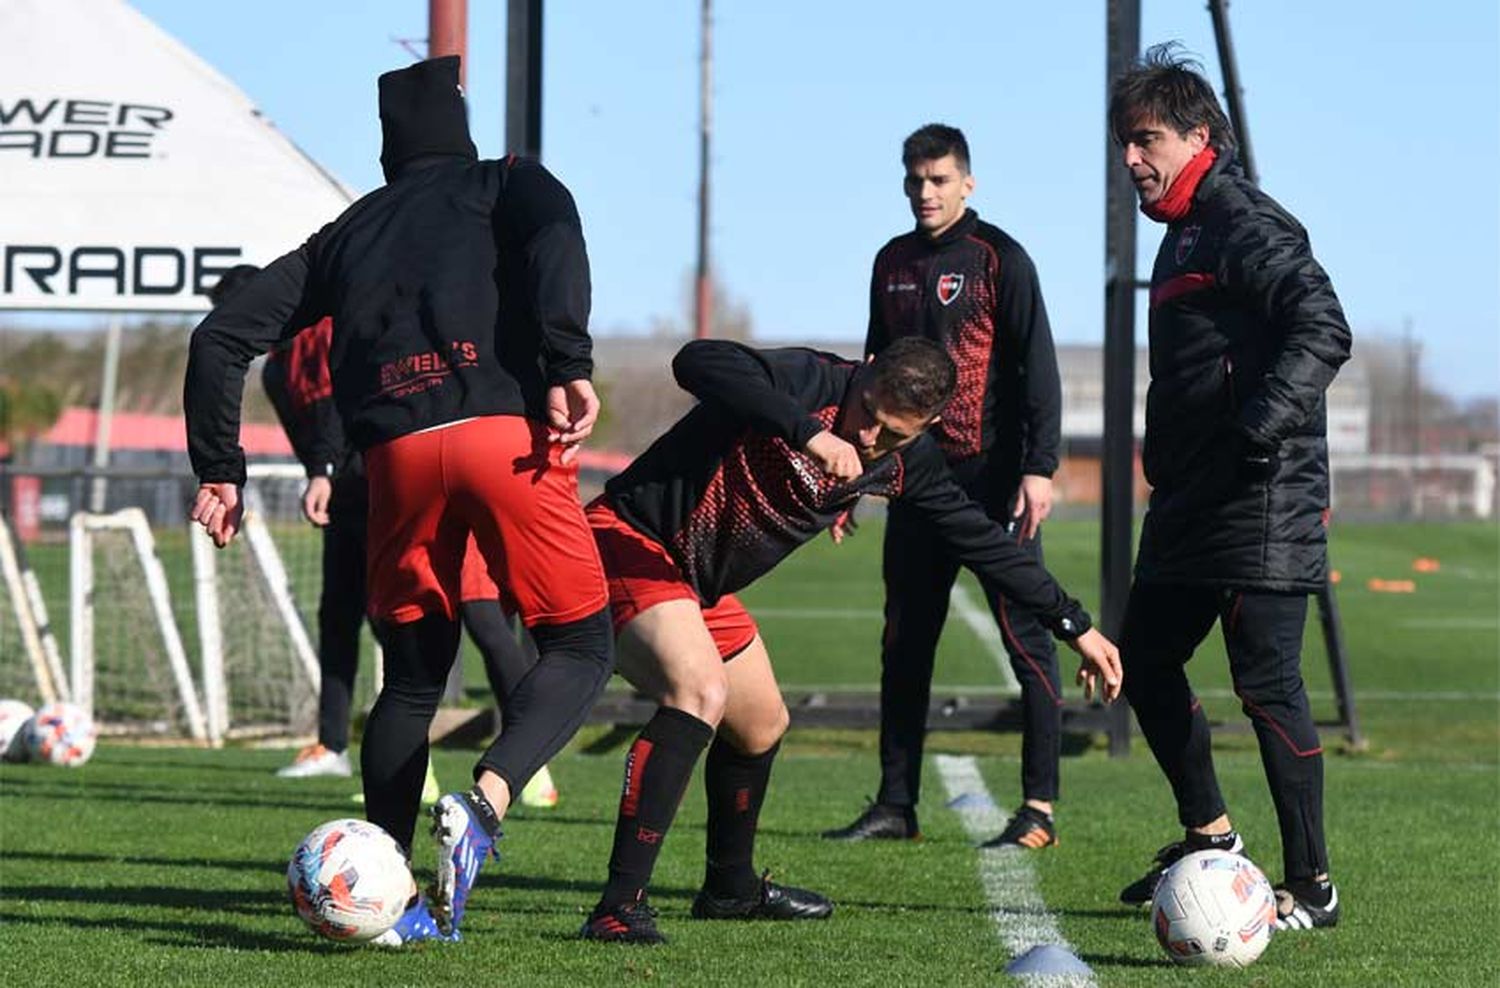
1246	336
458	289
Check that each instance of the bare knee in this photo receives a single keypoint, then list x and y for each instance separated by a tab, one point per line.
701	693
757	734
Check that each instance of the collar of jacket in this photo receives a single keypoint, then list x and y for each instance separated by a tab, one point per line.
965	226
1183	192
422	162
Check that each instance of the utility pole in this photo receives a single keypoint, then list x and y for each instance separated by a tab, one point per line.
703	284
448	33
523	77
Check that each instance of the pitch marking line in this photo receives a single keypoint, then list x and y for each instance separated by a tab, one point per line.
1010	886
982	623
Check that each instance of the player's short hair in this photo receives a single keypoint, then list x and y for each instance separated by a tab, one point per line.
231	281
1168	85
934	141
913	376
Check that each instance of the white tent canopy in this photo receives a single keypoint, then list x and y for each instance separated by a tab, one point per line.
131	173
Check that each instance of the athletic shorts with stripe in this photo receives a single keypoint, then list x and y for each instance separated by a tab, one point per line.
498	478
641	574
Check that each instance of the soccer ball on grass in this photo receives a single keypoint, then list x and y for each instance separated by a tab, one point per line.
349	881
13	717
1213	908
62	734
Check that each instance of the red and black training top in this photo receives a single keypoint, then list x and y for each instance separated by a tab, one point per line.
459	289
729	492
975	291
296	380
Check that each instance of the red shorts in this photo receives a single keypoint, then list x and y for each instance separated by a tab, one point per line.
642	574
475	582
499	478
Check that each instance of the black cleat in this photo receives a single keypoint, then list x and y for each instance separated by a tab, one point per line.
1029	828
771	901
1293	912
628	922
1143	889
880	821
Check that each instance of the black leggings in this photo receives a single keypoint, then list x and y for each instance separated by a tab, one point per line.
542	713
1263	635
341	608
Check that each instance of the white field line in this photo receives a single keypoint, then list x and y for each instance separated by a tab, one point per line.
982	623
1010	886
1216	693
1452	623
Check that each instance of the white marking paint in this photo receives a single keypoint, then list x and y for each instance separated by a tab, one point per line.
982	623
1021	918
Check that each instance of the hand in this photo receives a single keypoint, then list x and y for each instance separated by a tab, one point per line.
844	526
1034	502
219	510
1100	659
837	457
315	500
572	409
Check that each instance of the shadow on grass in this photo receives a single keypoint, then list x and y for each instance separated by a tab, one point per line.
204	899
187	934
232	864
1116	960
95	792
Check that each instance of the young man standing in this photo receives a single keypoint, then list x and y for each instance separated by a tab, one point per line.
460	361
780	445
970	287
1246	336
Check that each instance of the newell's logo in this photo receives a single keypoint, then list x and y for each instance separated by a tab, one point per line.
1186	241
949	285
55	127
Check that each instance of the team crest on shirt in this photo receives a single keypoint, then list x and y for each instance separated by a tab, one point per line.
1186	241
948	287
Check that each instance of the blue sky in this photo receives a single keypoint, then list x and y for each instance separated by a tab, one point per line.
1377	124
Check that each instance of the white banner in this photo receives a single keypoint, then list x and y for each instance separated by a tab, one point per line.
131	173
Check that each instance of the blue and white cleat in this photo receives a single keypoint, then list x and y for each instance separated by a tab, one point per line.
415	924
466	830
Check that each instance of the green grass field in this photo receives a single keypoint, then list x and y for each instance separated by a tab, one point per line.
165	865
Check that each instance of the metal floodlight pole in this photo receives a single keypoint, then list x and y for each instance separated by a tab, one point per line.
105	419
523	77
1123	46
703	284
1233	93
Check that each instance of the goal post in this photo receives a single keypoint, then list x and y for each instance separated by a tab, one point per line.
30	612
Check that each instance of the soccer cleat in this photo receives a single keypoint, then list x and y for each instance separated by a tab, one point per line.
628	922
1143	889
463	844
541	792
1296	913
415	924
771	901
1029	827
316	760
880	821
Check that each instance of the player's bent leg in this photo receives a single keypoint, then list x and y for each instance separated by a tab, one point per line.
736	776
667	652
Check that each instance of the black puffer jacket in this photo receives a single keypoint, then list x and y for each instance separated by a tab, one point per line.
1246	336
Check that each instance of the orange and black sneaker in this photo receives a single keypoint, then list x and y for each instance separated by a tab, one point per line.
1029	828
624	922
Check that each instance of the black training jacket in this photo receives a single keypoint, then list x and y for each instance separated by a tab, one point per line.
461	288
1246	336
975	291
729	492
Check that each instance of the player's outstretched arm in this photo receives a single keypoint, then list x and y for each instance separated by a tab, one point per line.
219	510
1101	663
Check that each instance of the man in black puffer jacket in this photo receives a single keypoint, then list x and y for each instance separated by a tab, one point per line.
1246	336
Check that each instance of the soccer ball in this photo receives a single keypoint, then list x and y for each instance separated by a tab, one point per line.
1213	908
62	734
349	881
13	717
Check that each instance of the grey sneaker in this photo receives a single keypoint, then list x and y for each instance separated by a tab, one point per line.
316	760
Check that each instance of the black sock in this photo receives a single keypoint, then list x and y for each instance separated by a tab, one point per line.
1316	891
657	770
480	804
1211	842
736	785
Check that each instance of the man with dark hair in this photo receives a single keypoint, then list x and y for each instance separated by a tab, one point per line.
460	361
970	287
781	443
1246	336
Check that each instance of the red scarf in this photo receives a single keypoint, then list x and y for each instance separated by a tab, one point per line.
1179	196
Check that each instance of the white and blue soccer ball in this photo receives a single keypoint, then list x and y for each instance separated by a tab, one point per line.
62	734
13	717
1213	908
349	881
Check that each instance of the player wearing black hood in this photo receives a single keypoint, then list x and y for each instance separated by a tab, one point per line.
460	361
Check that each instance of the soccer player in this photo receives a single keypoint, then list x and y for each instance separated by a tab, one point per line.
781	443
460	361
1246	336
970	287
